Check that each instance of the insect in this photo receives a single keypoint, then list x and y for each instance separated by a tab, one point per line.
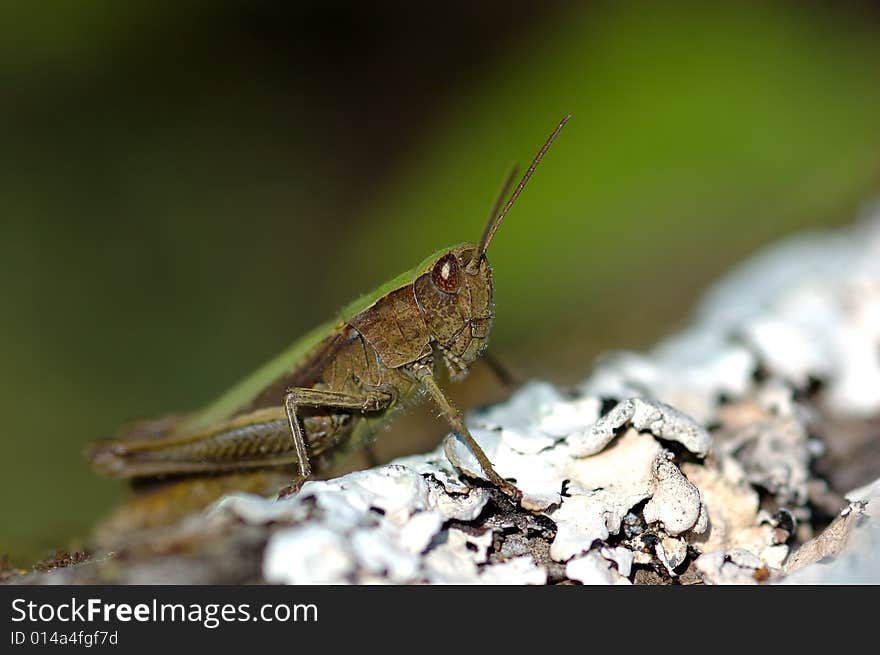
336	386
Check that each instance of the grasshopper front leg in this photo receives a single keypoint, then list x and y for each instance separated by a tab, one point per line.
425	376
370	400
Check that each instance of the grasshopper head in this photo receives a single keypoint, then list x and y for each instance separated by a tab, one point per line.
454	293
457	306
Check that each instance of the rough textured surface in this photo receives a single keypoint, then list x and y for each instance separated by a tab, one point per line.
704	461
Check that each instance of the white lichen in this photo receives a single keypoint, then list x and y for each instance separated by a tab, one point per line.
675	503
593	569
736	566
661	420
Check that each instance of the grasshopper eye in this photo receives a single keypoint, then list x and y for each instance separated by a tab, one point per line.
445	274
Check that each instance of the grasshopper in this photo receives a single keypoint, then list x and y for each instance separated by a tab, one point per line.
336	386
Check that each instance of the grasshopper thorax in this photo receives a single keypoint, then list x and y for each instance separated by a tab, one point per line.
456	304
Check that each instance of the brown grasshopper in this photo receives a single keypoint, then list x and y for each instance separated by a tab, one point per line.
335	387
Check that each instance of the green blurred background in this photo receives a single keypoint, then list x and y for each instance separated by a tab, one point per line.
185	190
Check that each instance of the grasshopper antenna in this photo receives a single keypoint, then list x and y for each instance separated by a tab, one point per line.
494	221
502	192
